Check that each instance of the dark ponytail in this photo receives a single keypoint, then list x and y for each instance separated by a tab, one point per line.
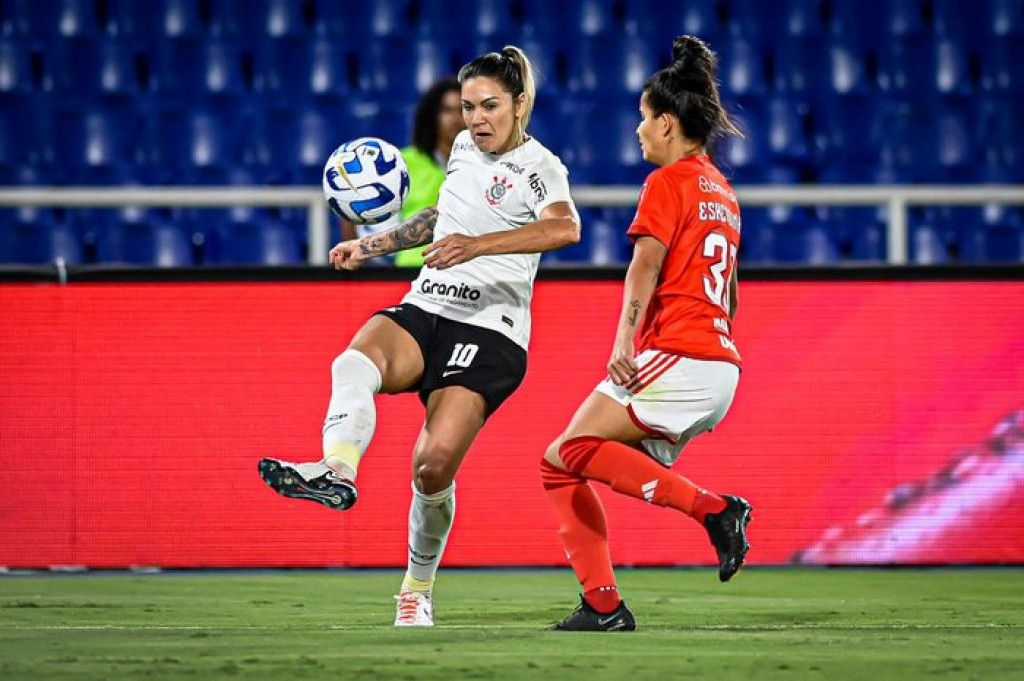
688	89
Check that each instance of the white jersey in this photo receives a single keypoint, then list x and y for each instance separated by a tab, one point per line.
485	193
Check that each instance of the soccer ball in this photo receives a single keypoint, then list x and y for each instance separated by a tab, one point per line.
366	181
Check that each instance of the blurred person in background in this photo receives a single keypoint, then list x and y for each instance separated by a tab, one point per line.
436	122
459	337
680	297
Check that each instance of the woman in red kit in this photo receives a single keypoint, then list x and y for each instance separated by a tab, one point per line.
679	303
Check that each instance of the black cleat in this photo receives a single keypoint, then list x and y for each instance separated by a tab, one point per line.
585	618
312	481
728	533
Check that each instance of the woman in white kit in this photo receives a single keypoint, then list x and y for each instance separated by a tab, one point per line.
459	337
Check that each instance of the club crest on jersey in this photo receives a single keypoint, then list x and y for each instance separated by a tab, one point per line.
496	193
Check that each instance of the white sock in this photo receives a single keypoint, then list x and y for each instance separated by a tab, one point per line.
351	413
430	521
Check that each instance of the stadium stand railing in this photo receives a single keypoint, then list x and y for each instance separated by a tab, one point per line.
895	200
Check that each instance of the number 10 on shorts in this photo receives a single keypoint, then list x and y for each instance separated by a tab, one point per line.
463	355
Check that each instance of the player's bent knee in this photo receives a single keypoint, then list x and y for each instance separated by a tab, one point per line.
551	454
354	367
432	477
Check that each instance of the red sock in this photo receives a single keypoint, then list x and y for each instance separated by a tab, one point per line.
629	471
584	533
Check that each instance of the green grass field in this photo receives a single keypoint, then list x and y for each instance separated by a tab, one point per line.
766	624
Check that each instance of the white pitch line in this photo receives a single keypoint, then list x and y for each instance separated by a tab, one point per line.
454	627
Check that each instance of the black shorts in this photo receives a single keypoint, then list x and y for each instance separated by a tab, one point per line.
455	353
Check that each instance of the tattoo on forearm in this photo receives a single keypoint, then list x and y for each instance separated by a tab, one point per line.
416	231
634	312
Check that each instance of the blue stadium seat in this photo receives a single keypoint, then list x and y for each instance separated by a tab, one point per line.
741	70
41	22
176	18
751	20
610	66
13	143
906	67
140	236
803	18
194	69
998	140
847	70
782	123
846	133
952	78
746	160
907	145
1003	227
799	68
847	22
338	20
92	146
928	244
546	20
316	134
282	68
569	19
199	145
130	19
765	22
212	146
281	18
963	231
607	242
954	145
15	67
250	237
819	246
361	21
757	240
256	19
1000	67
328	75
549	64
32	236
491	23
430	63
1006	18
83	69
546	123
904	18
951	22
659	23
790	230
858	233
29	122
383	70
583	151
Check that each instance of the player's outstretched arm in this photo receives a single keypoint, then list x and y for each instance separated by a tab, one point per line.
558	226
416	231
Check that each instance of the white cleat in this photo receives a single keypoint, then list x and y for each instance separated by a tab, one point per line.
415	609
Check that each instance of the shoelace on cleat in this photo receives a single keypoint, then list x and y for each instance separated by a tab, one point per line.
408	603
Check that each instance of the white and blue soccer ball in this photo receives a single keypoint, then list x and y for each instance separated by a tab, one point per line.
366	181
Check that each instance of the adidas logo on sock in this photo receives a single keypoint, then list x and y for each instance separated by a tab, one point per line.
648	489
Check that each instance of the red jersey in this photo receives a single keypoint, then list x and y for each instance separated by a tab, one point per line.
692	209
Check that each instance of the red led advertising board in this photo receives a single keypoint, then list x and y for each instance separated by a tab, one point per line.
875	422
